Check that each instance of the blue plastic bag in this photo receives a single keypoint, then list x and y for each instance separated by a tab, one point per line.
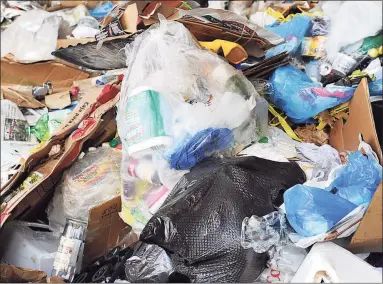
292	31
376	88
301	98
193	150
358	180
312	211
297	26
101	11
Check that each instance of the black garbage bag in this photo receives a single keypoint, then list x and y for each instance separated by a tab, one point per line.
200	222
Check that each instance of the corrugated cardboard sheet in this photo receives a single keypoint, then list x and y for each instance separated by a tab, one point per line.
60	75
368	237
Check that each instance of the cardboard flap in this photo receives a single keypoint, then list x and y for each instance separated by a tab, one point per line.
345	137
368	237
60	75
105	229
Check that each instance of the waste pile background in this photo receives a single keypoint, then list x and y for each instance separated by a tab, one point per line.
191	141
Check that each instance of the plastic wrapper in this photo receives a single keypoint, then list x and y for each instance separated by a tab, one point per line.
358	180
323	159
200	222
284	262
190	117
90	181
48	123
146	183
301	98
31	37
261	233
149	264
101	11
363	20
320	26
312	211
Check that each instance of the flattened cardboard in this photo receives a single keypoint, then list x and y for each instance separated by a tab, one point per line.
14	274
105	229
19	98
89	113
60	75
368	237
345	136
58	100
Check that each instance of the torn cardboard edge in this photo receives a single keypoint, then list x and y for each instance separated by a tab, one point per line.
84	108
105	230
34	74
15	274
49	172
344	136
124	24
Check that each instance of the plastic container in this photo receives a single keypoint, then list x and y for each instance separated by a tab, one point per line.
28	245
330	263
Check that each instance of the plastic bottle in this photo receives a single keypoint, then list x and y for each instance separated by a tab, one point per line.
70	249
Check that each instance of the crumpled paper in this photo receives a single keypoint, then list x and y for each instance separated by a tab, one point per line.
310	134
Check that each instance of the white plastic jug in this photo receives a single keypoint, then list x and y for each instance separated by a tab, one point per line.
28	248
330	263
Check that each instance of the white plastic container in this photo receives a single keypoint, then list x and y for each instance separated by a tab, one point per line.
330	263
28	248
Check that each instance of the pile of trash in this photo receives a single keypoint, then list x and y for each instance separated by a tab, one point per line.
191	141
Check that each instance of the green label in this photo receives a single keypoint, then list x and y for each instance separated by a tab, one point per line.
143	117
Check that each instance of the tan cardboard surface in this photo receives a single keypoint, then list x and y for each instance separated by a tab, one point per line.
19	98
73	41
34	74
105	228
58	100
368	236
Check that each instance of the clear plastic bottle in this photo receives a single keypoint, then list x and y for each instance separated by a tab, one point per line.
69	254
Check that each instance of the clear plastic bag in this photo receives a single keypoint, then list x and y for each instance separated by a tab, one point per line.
146	183
90	181
358	180
284	262
32	36
320	26
312	211
174	91
262	233
301	98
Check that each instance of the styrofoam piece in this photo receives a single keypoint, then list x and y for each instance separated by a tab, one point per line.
330	263
28	248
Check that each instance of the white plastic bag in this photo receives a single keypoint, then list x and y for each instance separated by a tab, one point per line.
31	37
90	181
354	21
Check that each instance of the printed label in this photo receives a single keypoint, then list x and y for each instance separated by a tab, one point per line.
32	179
67	253
143	117
314	46
238	27
343	63
94	174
